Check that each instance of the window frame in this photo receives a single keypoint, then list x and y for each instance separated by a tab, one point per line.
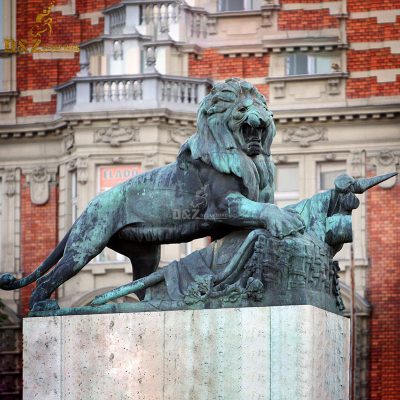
329	166
311	63
248	5
287	196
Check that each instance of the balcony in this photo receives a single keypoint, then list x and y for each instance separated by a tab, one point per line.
131	92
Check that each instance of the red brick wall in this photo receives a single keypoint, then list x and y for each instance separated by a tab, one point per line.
369	30
366	87
306	20
217	66
38	234
359	6
383	291
67	30
85	6
362	60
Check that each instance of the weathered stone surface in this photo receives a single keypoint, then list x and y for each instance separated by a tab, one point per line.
42	363
268	353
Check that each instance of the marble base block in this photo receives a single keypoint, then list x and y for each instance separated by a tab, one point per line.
269	353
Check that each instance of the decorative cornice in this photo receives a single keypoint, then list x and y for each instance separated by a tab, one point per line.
122	36
291	78
241	51
305	44
28	131
336	114
160	116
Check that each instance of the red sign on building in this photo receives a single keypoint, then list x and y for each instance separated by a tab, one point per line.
112	175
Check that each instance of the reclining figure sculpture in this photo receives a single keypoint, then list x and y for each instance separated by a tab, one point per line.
222	185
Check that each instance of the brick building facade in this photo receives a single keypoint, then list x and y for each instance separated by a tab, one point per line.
127	100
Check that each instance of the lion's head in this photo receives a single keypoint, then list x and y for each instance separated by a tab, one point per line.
234	134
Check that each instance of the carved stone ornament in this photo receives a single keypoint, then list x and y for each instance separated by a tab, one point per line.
71	165
80	165
178	135
68	141
279	90
39	180
116	135
266	17
385	161
280	159
304	135
82	170
150	56
356	164
10	180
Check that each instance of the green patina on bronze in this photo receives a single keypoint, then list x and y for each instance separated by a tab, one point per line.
222	185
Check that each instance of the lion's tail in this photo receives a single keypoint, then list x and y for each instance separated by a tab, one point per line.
9	282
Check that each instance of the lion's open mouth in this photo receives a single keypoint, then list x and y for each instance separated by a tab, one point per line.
252	137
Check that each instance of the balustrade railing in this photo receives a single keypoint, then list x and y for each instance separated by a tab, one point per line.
111	90
179	92
146	91
68	97
117	20
198	24
159	13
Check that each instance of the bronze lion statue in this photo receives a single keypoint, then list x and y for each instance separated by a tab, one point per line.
222	180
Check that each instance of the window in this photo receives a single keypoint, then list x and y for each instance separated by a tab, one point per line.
328	172
286	184
108	177
308	64
238	5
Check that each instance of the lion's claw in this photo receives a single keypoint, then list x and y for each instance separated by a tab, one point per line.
281	222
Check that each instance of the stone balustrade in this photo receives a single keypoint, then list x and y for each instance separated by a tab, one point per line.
117	20
145	91
160	13
124	17
198	22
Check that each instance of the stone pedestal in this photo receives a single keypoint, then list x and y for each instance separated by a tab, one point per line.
274	353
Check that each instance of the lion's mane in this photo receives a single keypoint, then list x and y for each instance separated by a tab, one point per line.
215	144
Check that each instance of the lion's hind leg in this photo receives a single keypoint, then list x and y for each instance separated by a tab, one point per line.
66	268
144	257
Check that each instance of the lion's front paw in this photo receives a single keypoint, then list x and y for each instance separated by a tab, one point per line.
280	222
